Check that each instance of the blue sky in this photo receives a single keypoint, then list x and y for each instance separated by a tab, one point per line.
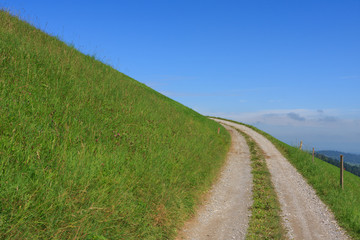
291	68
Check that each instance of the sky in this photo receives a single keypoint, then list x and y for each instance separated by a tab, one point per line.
291	68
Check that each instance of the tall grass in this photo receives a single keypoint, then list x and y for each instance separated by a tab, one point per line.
87	152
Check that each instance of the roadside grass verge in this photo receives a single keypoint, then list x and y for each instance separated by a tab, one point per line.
325	179
265	221
87	152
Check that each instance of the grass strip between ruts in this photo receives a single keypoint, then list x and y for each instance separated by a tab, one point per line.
265	221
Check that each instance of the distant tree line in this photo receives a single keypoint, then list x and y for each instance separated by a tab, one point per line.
351	158
354	169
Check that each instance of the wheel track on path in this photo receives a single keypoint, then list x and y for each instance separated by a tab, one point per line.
225	213
304	215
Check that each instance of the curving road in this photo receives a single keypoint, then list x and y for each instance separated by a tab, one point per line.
225	213
304	215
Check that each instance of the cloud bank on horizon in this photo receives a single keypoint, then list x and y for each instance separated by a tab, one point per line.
327	129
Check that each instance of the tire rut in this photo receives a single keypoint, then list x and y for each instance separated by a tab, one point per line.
304	215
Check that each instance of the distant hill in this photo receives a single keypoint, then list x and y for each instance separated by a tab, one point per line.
354	168
348	157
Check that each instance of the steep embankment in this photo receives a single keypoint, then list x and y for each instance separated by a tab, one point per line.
87	152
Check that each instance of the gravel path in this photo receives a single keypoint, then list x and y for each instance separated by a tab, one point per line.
225	213
304	215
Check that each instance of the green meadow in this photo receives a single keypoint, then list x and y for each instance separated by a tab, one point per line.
87	152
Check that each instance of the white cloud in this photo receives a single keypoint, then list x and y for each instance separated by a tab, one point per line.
295	116
332	129
288	117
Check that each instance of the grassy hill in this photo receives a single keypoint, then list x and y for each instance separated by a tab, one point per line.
87	152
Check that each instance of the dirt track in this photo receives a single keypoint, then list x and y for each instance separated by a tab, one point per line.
225	213
304	215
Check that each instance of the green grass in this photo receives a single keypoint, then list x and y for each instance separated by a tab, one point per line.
86	152
265	221
325	179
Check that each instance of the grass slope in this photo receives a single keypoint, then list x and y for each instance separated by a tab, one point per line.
325	179
89	153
